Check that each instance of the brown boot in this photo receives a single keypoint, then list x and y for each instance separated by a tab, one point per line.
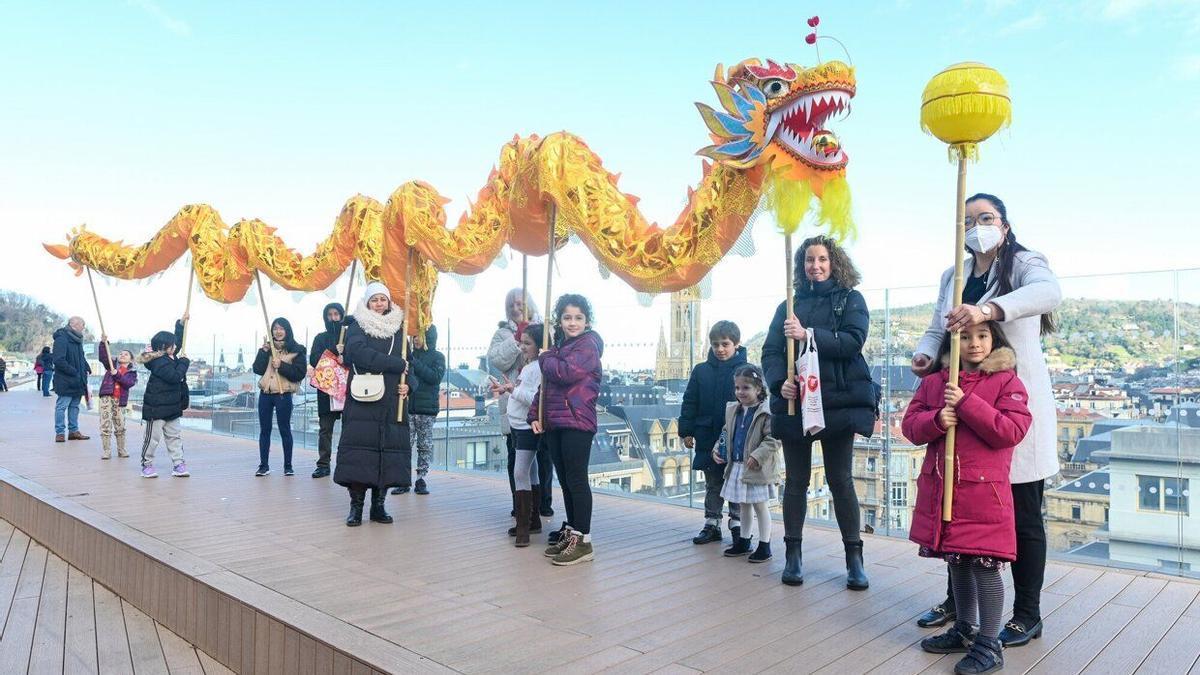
59	438
76	436
105	447
121	446
535	517
522	533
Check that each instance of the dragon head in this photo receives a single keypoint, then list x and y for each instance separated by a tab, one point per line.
777	115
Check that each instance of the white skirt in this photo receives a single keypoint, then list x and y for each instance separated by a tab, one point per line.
737	492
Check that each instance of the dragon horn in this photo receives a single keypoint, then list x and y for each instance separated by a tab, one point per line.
719	75
60	251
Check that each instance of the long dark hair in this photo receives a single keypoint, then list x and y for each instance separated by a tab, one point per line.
1009	248
841	268
575	300
998	341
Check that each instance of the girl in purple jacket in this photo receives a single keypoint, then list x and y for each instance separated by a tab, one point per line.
119	378
570	386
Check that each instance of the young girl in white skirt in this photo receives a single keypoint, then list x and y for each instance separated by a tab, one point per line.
753	462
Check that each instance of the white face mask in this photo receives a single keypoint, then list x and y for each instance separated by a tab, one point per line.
983	238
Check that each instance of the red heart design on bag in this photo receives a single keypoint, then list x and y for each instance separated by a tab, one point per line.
814	21
811	38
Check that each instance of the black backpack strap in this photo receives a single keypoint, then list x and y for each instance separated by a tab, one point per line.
839	308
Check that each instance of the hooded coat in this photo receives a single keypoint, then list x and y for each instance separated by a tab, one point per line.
702	415
374	448
847	391
428	368
70	366
166	395
326	340
993	417
127	379
571	373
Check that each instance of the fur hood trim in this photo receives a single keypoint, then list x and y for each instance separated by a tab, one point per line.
999	360
378	325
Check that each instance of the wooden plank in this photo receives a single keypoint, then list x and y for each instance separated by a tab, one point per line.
1177	651
1073	654
1126	652
10	573
180	656
112	640
144	647
80	655
49	635
211	666
18	636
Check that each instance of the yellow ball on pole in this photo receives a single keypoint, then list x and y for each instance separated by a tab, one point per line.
964	105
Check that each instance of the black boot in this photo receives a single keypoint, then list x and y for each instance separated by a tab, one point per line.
378	514
793	569
762	554
957	640
986	656
535	518
856	575
356	506
740	547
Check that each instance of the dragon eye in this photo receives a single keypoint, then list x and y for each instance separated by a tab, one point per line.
774	88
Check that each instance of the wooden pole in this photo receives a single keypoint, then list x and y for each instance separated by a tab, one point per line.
791	314
187	311
349	289
960	229
404	332
262	302
525	286
96	301
546	324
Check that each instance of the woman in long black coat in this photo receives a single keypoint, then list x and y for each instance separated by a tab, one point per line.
828	308
374	452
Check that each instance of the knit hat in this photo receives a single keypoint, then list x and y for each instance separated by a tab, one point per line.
376	288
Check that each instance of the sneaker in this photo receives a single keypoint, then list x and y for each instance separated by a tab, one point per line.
263	471
287	471
180	470
986	656
762	554
420	488
575	551
60	438
957	640
560	542
400	490
709	534
321	472
556	536
149	472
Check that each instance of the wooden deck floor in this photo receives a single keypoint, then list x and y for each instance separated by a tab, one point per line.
445	583
55	619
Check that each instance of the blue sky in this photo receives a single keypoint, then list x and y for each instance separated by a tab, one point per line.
118	113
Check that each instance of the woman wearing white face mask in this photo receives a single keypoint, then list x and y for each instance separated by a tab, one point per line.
1007	283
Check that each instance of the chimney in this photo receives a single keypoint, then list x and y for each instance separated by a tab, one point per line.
479	407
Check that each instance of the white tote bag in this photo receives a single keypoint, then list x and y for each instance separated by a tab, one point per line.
808	371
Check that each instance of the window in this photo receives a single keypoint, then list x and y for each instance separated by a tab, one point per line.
871	517
1106	514
871	465
476	455
871	492
1158	493
900	494
1076	512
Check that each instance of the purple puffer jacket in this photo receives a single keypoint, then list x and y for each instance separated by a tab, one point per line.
127	379
571	383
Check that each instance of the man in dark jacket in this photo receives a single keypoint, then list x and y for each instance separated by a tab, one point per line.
165	399
70	383
3	367
428	368
702	417
332	315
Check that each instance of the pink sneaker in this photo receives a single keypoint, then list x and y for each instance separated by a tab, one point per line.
180	470
149	472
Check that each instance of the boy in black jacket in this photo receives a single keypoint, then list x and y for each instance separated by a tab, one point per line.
164	401
702	417
428	367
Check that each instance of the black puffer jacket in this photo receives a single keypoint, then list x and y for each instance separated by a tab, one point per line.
70	366
374	448
847	392
702	415
166	395
428	368
326	340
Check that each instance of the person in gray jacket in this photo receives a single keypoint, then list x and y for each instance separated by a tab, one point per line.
504	355
1010	284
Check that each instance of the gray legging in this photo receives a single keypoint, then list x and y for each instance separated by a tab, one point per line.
838	452
525	468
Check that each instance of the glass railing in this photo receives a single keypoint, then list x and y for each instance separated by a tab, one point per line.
1125	364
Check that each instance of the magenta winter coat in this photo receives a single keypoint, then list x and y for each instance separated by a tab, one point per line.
127	379
992	419
570	383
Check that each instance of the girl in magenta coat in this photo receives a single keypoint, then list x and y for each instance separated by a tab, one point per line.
990	411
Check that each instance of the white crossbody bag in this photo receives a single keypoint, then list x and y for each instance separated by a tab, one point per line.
368	387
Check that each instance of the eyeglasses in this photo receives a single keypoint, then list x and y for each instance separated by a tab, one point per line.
983	219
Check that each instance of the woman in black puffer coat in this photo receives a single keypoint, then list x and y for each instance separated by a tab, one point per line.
374	450
827	306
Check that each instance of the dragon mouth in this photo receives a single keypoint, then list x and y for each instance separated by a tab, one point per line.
800	128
